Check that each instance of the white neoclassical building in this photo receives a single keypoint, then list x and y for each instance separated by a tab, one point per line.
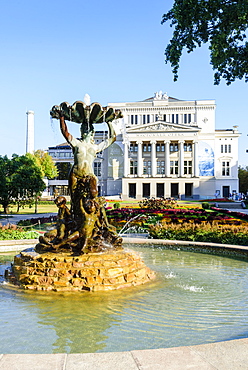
165	147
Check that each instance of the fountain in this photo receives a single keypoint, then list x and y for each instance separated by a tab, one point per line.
83	252
196	298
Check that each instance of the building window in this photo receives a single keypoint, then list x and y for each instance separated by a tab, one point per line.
187	118
174	167
226	168
144	119
148	118
98	169
60	190
164	117
134	119
187	147
133	167
147	168
225	148
187	167
146	147
173	147
174	118
160	167
160	147
133	147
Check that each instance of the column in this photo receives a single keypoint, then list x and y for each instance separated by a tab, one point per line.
153	158
140	159
181	158
196	159
126	160
167	158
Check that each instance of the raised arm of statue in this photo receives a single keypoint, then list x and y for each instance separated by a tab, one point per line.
106	143
64	129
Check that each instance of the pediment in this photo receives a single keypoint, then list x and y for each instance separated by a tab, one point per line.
162	127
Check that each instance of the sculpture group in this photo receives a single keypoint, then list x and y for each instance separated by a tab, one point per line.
84	227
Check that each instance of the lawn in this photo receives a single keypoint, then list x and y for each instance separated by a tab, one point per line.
51	207
42	208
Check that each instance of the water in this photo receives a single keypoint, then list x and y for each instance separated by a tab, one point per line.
197	298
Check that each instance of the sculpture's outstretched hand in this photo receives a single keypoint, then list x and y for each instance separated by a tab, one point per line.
55	112
62	110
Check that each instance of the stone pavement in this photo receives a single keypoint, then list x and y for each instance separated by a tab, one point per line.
231	355
13	219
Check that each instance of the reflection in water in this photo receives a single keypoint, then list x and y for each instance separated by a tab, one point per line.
197	298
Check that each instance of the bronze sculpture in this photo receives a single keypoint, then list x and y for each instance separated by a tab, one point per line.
83	252
84	228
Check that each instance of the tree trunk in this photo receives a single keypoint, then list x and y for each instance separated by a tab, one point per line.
6	209
36	205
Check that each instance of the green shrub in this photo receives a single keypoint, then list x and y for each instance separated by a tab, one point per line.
158	203
9	234
205	205
116	205
223	234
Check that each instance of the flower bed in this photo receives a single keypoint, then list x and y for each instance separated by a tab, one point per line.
145	217
37	221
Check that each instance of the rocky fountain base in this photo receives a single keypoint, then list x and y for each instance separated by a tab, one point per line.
87	272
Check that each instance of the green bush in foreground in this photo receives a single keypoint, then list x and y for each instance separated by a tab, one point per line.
223	234
17	234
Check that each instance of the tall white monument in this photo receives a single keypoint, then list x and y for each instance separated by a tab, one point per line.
30	132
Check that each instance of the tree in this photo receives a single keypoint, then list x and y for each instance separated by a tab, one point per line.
221	23
243	179
20	181
5	182
45	163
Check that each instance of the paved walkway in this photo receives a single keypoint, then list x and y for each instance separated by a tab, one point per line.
231	355
13	219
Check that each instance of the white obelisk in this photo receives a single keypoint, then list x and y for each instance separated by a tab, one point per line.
30	132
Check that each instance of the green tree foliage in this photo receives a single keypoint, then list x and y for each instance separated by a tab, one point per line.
45	163
20	181
63	169
220	23
243	179
6	190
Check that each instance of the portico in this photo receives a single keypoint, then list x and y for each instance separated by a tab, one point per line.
156	153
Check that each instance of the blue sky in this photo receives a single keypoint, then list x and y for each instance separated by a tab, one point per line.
54	51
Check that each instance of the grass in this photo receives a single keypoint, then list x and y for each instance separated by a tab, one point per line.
51	208
42	208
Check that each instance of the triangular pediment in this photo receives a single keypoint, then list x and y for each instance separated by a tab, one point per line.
163	126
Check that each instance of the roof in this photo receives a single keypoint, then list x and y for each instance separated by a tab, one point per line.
169	98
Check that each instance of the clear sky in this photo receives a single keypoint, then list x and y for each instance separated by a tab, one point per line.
54	51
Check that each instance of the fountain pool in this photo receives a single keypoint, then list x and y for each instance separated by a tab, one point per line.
196	298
